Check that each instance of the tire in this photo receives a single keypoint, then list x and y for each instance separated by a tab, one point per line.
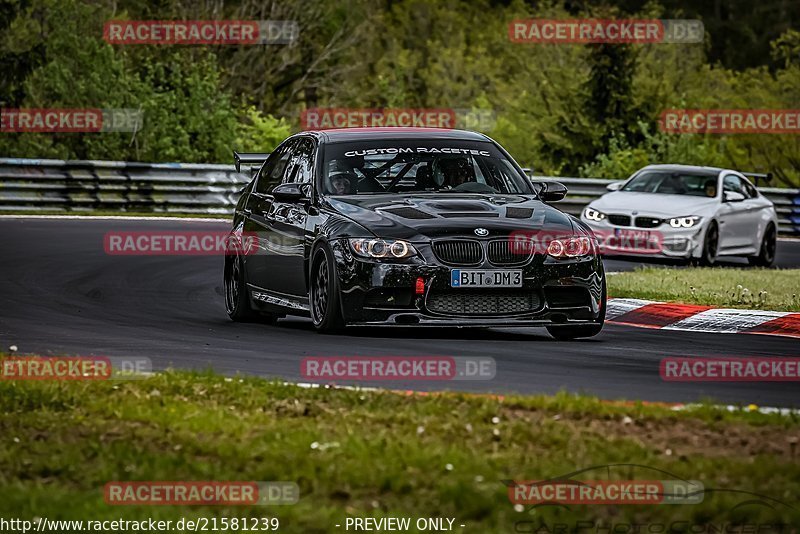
710	246
324	299
237	303
568	333
766	254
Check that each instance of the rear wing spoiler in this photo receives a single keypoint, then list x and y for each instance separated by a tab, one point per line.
757	176
252	159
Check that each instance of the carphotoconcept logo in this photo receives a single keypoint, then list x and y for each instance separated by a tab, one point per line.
397	368
187	243
63	120
200	32
730	121
546	501
611	31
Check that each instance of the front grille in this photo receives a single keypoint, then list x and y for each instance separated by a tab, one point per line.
458	252
482	302
647	222
619	220
502	252
567	296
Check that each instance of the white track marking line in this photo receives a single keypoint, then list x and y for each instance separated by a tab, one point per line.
725	320
618	307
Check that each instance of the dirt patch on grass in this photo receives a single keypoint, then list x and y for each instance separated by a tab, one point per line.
682	436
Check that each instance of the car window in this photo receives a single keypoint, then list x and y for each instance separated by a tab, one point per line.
273	170
301	163
749	189
731	182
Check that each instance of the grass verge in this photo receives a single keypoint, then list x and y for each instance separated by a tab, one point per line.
378	454
765	289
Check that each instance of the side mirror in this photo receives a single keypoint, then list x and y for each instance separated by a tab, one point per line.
732	196
289	193
552	191
615	186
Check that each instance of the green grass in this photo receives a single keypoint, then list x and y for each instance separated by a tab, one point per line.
377	454
766	289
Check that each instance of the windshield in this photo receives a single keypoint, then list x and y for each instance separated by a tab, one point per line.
427	166
673	183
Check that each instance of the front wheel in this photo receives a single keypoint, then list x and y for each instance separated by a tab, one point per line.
323	293
710	246
766	254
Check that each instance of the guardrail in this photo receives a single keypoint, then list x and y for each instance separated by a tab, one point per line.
31	185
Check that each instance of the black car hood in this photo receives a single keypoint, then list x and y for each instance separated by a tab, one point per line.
419	217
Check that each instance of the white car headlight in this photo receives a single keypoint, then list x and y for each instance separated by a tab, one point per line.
593	214
382	248
684	222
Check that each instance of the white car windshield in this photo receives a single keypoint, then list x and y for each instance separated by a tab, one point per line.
673	183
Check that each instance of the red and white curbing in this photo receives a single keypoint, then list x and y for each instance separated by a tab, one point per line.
693	318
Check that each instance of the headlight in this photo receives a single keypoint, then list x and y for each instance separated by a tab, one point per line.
382	248
684	222
570	247
593	214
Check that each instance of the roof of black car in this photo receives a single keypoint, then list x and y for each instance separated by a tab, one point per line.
342	135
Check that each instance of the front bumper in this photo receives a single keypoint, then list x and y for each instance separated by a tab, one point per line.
553	292
663	241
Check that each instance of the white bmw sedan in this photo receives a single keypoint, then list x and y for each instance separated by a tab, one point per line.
699	214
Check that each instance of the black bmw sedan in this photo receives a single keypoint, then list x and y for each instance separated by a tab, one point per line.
409	226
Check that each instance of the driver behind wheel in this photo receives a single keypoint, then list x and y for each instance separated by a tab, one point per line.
456	171
340	182
710	188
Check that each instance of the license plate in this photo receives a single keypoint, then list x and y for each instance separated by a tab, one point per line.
473	278
632	235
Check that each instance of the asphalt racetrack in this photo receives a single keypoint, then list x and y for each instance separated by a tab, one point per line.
63	295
